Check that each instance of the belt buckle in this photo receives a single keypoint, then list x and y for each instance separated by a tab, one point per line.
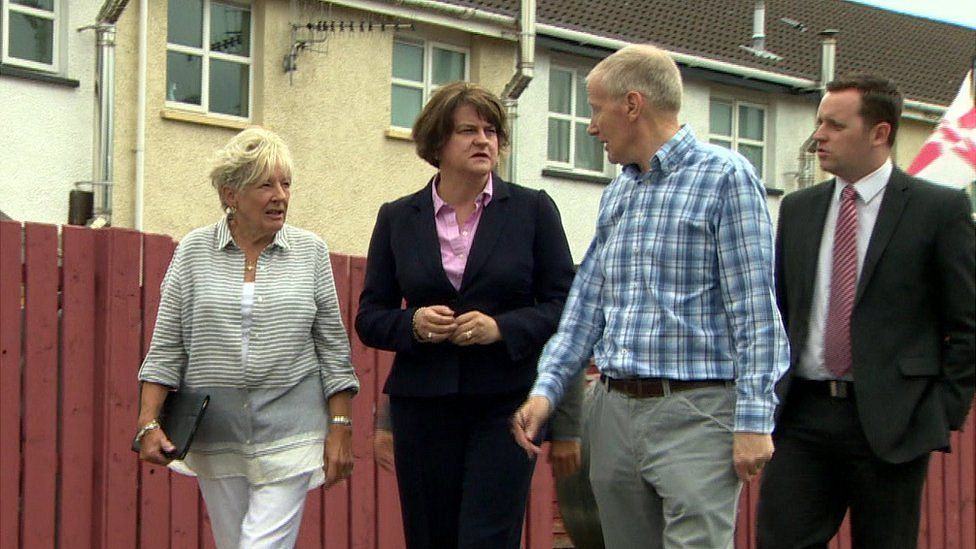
838	389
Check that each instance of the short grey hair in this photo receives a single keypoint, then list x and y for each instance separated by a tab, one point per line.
249	157
642	68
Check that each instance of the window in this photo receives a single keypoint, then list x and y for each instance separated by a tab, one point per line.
208	57
740	127
419	69
570	147
31	33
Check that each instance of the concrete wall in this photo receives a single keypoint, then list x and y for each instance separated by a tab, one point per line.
46	129
334	115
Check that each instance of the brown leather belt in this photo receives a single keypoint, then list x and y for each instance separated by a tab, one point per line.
652	387
833	388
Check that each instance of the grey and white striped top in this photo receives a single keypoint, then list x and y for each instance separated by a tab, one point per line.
267	416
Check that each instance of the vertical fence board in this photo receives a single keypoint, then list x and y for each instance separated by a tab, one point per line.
310	534
77	386
40	384
336	523
539	508
950	484
184	512
934	495
389	525
117	273
967	496
11	271
362	504
154	491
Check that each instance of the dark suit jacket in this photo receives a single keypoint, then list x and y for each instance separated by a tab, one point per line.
912	327
518	271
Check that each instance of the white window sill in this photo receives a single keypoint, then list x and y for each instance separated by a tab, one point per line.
401	134
203	119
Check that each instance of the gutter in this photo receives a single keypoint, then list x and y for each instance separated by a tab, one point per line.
471	20
486	23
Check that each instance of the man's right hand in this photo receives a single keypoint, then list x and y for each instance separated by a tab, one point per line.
528	421
383	449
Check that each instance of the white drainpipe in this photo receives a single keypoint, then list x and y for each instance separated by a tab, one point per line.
524	72
140	157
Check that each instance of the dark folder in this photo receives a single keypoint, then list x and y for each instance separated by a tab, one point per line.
179	419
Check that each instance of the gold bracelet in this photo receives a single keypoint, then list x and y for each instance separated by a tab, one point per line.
341	420
416	334
150	426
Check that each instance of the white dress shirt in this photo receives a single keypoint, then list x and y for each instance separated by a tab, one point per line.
870	192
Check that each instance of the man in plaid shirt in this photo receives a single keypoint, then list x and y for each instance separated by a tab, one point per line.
675	299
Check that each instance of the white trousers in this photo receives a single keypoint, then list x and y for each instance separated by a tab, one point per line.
245	516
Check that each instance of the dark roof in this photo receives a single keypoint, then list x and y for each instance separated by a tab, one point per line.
928	59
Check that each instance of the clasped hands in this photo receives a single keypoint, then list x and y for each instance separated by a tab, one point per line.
438	323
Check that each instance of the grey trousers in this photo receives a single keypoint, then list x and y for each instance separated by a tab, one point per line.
661	468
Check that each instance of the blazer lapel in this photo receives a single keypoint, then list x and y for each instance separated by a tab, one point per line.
425	231
493	220
892	205
808	245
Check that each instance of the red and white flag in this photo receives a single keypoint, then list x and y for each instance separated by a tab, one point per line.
948	156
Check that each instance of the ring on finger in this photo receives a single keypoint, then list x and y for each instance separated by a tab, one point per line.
430	335
467	334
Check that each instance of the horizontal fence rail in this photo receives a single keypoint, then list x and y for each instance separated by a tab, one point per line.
77	308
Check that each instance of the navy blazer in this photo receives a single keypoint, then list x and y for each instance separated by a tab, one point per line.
913	327
519	271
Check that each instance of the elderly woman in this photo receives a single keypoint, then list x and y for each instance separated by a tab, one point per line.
484	268
249	315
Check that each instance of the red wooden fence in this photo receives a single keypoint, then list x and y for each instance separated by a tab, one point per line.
76	315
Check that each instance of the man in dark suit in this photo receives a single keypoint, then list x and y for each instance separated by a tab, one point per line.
875	281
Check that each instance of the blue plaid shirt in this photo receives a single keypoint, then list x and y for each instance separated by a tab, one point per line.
678	282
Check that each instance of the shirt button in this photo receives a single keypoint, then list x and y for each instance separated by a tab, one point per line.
260	299
461	256
246	405
624	352
465	233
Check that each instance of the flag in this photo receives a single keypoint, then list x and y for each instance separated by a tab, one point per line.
948	156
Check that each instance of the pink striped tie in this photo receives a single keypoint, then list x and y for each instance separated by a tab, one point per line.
843	285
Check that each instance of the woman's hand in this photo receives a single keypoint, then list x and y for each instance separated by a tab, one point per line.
475	328
153	445
435	323
383	448
338	454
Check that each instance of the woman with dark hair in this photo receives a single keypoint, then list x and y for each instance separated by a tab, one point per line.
483	267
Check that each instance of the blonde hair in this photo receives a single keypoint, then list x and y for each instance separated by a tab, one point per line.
249	157
642	68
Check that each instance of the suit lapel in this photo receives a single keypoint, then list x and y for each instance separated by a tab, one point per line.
892	205
493	219
425	231
811	233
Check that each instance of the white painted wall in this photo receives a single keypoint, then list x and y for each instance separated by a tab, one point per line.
789	123
46	129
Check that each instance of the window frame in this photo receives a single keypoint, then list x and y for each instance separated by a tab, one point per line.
427	87
573	118
206	54
734	140
6	7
